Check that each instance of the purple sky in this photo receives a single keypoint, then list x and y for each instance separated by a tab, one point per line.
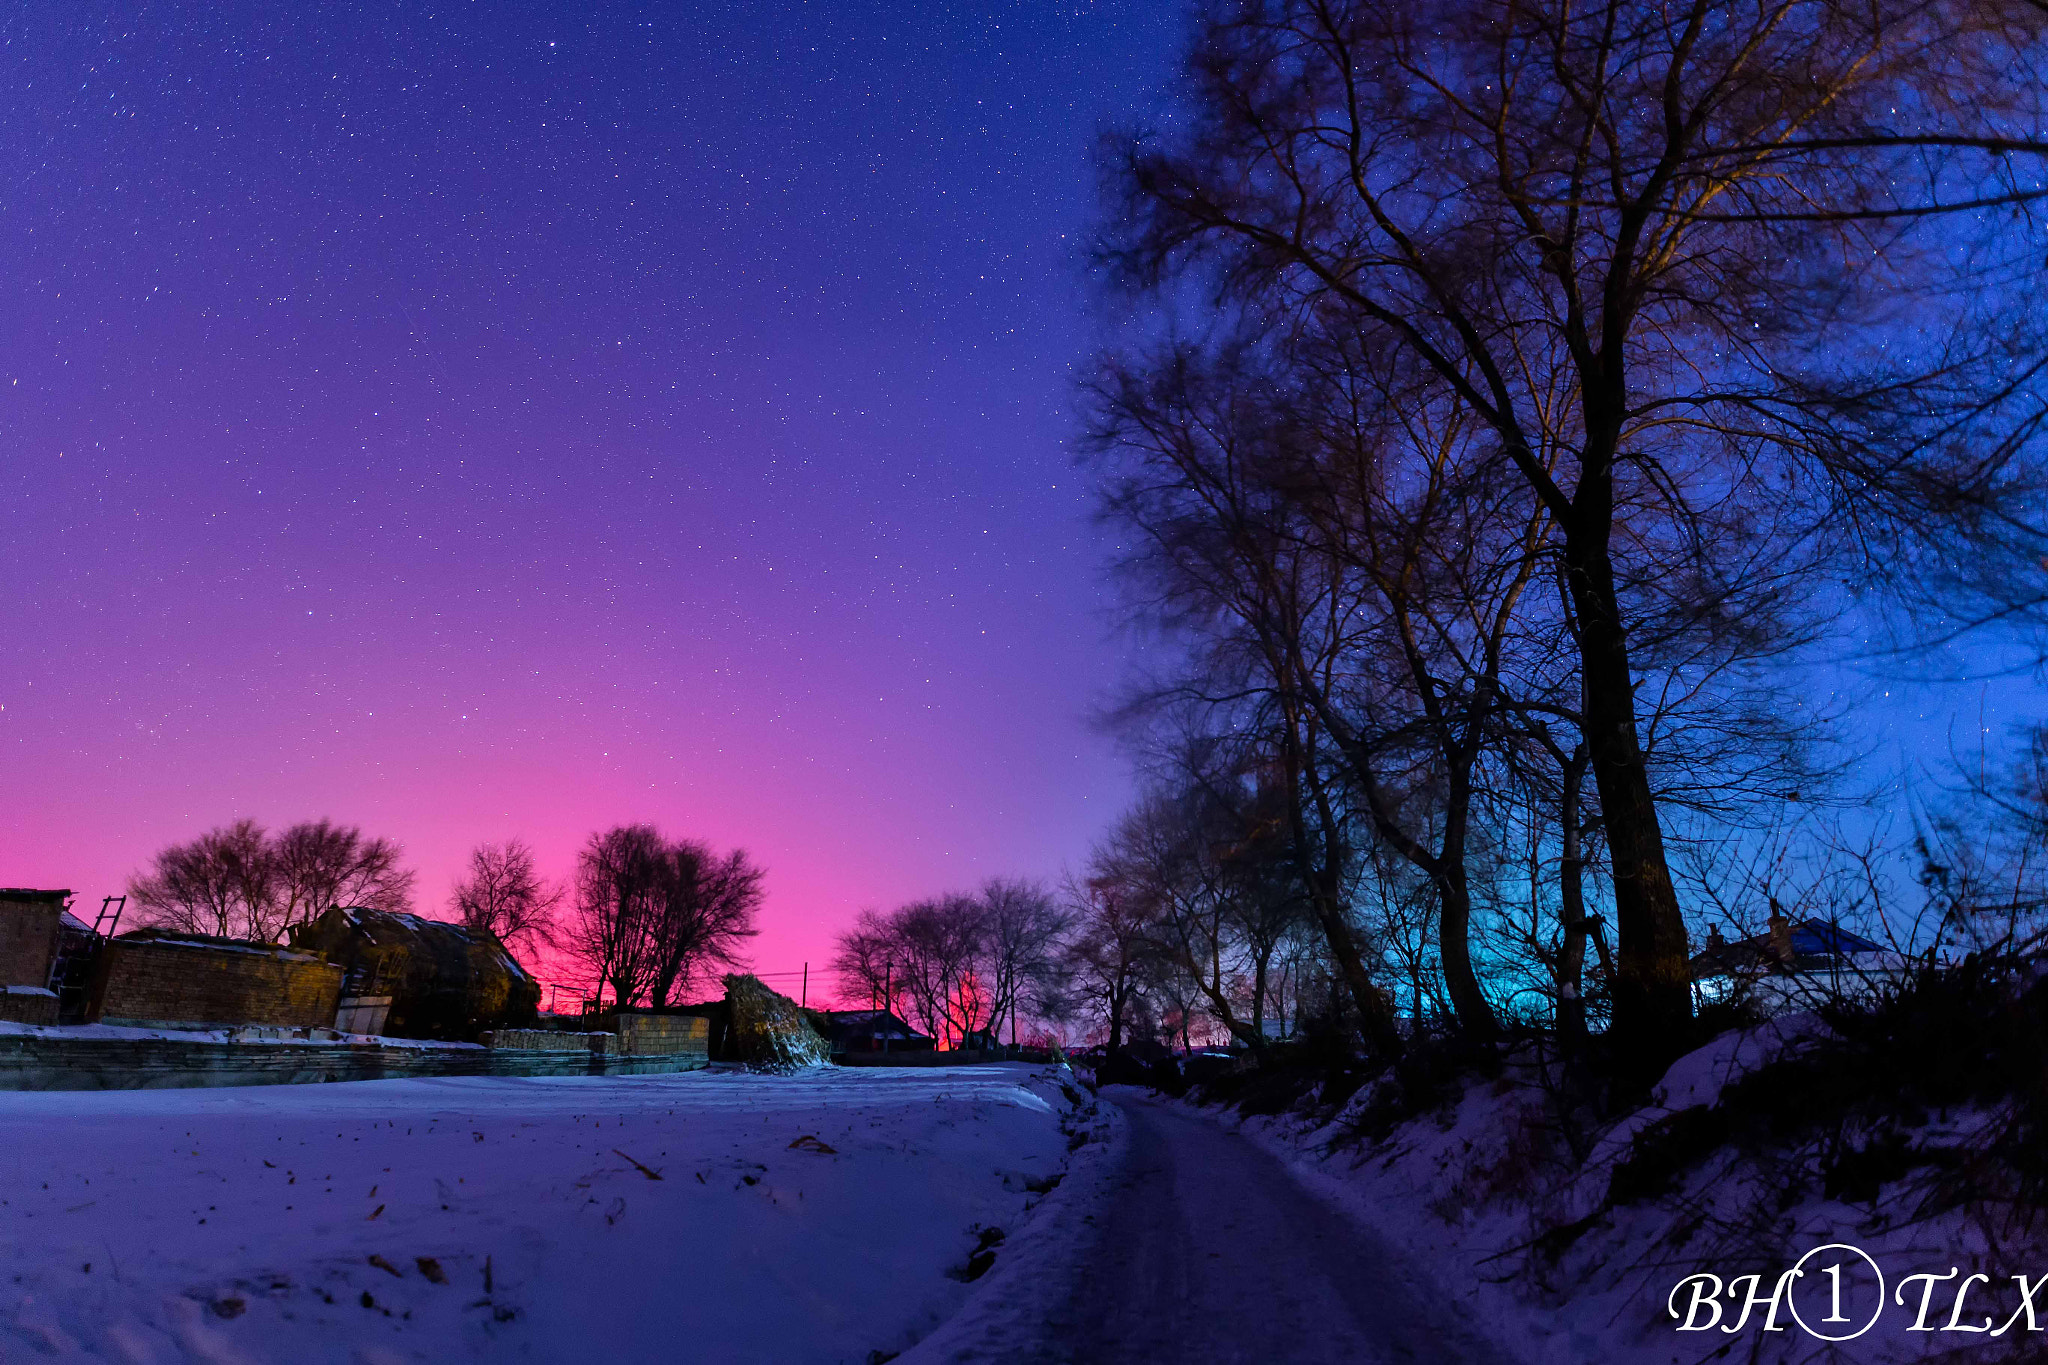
471	421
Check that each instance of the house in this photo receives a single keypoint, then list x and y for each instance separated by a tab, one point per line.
869	1031
1792	965
429	978
31	928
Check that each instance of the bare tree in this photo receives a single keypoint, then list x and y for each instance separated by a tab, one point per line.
503	895
220	883
1023	927
1109	954
935	946
1651	252
864	959
1362	569
240	882
1171	856
702	916
619	875
959	964
652	915
320	864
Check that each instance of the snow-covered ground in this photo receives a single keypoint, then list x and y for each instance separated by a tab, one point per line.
714	1216
1466	1190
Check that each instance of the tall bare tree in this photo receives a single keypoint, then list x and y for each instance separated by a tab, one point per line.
1023	927
959	964
321	864
1109	954
1372	566
652	915
704	912
504	895
619	876
220	883
242	882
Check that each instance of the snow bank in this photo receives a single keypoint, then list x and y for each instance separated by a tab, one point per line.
1468	1192
1004	1321
709	1216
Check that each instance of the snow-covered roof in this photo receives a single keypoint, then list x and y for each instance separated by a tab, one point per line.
1817	945
217	945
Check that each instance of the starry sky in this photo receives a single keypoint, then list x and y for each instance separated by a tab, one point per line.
472	420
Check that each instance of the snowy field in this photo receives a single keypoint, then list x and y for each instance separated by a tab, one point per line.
826	1216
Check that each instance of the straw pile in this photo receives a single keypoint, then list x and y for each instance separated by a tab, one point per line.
770	1029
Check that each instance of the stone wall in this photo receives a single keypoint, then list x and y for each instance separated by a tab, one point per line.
171	980
28	935
55	1061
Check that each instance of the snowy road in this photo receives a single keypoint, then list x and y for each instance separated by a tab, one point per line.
1208	1250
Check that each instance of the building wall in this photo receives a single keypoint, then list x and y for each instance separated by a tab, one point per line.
173	982
28	936
28	1005
654	1034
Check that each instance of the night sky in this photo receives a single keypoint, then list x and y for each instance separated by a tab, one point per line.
470	421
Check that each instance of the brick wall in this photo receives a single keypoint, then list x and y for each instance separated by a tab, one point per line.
28	936
27	1005
653	1034
164	979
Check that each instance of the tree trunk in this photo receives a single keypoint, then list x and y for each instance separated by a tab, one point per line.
1454	918
1259	968
1319	877
1571	961
1652	999
1375	1019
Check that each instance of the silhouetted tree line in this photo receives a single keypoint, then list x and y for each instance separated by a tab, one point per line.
958	966
643	917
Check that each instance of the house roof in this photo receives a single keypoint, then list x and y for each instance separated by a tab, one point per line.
868	1023
448	945
162	937
1817	945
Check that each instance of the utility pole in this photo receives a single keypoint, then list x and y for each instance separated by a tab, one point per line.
888	974
804	998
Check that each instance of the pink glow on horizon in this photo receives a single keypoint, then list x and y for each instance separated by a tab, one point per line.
477	425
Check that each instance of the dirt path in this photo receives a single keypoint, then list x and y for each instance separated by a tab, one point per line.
1209	1252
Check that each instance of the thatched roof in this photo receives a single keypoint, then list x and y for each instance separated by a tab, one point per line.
444	981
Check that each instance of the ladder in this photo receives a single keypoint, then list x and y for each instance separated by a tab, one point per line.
109	918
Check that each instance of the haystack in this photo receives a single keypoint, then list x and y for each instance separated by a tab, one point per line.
770	1029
